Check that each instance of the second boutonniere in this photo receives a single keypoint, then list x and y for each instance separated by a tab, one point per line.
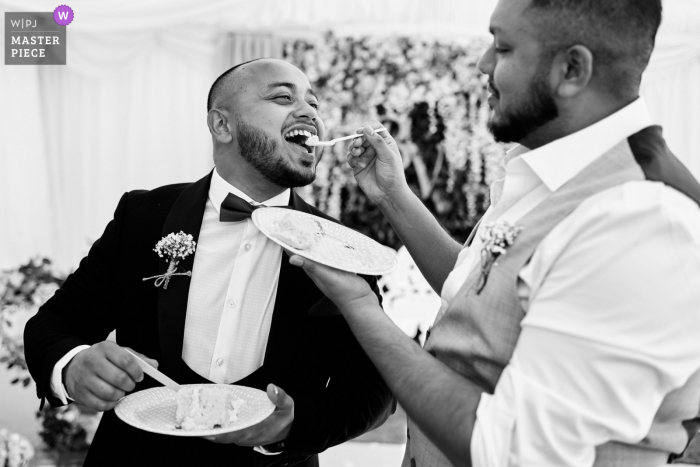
176	246
496	237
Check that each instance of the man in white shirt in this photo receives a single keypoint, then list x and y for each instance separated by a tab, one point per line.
568	334
235	311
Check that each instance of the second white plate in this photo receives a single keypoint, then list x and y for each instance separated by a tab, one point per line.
340	247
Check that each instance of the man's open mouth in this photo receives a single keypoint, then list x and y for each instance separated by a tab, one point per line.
299	137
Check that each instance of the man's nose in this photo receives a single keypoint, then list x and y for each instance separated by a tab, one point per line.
486	63
306	110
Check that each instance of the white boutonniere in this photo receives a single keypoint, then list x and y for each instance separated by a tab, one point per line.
176	247
496	237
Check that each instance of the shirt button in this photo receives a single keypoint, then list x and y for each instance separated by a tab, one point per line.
232	304
247	247
220	362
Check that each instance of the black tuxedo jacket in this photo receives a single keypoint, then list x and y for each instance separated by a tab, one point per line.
309	340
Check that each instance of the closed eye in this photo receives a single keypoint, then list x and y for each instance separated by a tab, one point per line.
284	96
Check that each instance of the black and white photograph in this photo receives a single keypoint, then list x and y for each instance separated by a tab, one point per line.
371	233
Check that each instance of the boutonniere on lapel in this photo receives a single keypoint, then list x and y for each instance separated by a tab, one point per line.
496	237
176	247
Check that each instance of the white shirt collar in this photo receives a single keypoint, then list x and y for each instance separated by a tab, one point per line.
561	160
220	188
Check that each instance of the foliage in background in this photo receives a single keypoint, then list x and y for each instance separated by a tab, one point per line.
68	428
22	292
433	98
15	449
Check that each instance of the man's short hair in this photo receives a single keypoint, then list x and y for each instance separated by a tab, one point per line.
619	33
222	83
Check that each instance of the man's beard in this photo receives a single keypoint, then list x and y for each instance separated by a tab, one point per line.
258	149
538	108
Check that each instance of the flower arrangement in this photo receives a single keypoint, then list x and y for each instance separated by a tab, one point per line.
496	237
15	449
68	428
433	96
176	246
22	292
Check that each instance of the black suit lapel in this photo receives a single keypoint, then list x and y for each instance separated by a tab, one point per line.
185	215
296	294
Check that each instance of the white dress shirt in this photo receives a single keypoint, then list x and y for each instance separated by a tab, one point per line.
612	307
231	298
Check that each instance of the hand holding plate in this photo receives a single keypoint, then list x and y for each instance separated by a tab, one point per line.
273	429
344	288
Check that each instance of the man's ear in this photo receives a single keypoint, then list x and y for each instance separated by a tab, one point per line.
219	127
573	70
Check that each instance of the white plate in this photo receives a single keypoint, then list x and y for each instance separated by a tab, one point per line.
364	257
154	410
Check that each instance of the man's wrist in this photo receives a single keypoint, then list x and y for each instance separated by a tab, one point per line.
59	374
394	201
359	304
278	446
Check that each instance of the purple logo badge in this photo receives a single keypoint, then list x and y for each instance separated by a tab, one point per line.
63	15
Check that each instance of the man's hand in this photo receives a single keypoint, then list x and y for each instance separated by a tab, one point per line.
376	163
273	429
344	288
101	375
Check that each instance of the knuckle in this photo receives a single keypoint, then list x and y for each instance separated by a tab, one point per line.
111	394
123	360
123	380
117	394
129	385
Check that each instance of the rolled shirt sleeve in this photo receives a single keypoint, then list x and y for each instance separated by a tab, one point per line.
611	329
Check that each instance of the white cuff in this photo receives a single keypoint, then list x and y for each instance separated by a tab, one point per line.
264	451
57	387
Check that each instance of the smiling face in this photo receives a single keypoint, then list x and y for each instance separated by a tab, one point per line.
273	110
518	70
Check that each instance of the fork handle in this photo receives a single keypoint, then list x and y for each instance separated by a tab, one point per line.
337	140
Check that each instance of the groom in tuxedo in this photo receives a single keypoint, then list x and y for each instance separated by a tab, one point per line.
244	316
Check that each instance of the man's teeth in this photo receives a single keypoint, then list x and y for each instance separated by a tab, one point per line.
293	133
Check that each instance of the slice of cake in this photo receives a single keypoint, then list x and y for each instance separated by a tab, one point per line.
298	232
204	408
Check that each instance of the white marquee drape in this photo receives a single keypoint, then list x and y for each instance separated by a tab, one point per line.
128	110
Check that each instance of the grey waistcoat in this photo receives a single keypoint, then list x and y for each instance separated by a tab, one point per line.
476	334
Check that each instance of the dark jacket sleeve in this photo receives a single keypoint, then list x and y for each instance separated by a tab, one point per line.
355	401
82	312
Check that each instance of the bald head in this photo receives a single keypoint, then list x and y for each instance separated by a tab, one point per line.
224	84
237	77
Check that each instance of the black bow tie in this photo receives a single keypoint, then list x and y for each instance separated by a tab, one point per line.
236	209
